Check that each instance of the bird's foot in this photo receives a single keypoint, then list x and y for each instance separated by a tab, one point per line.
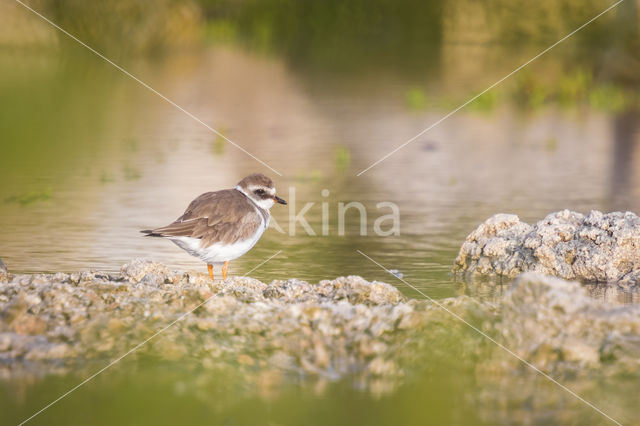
224	270
210	269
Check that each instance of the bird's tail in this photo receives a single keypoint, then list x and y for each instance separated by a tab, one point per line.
151	233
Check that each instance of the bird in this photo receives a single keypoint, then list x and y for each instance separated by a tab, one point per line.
218	227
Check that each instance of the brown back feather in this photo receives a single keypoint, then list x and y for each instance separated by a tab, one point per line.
223	216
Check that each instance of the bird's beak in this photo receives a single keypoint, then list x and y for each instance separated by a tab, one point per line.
279	200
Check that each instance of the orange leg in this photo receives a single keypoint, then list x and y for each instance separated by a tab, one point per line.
210	268
224	270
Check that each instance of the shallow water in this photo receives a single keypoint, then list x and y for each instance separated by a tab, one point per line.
89	157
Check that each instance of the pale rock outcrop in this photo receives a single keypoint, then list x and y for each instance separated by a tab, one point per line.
594	247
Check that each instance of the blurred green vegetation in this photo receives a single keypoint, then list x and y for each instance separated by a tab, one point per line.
30	197
336	35
551	144
342	157
486	102
599	66
125	27
219	143
309	176
131	173
575	88
415	99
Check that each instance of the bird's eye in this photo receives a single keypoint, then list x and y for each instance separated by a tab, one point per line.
259	191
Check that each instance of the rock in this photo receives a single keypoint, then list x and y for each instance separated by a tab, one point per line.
14	309
596	247
554	321
291	329
139	269
245	359
29	324
357	290
311	328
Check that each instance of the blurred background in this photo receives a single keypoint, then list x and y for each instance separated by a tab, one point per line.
319	91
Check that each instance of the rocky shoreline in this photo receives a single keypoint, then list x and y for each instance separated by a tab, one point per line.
347	327
329	329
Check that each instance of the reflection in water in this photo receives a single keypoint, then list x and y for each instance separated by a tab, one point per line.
626	136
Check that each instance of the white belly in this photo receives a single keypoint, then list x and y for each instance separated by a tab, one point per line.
218	253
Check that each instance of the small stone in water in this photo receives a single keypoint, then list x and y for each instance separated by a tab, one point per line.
396	273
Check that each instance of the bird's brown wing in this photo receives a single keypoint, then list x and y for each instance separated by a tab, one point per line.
222	216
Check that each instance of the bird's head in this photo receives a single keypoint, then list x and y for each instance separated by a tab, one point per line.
260	189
